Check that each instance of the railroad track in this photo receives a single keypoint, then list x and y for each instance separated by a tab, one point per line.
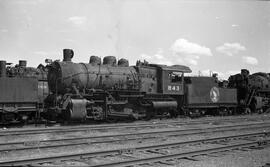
152	148
181	155
111	126
76	141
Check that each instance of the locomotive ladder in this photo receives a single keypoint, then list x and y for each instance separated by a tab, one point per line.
251	95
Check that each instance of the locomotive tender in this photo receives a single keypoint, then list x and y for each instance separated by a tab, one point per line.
205	96
100	91
22	92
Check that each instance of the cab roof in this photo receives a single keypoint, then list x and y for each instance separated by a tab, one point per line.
177	68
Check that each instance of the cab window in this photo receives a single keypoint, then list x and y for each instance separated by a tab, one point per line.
175	77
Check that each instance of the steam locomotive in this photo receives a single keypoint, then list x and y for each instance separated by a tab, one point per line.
253	91
101	91
68	91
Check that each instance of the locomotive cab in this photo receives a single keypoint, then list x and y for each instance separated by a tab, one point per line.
164	88
171	82
171	79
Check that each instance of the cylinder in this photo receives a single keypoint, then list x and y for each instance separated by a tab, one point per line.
2	68
22	63
95	60
123	63
77	109
109	60
68	55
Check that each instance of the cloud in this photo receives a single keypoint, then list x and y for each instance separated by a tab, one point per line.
184	47
77	20
235	25
181	52
191	61
230	49
157	58
159	55
250	60
145	56
189	52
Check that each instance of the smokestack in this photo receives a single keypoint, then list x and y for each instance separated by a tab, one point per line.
244	72
2	68
68	54
22	63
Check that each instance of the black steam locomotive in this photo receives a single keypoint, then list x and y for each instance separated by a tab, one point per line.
253	91
105	90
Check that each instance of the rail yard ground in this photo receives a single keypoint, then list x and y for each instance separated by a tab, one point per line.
208	141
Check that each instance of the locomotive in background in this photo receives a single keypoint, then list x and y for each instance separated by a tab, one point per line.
253	91
22	92
105	90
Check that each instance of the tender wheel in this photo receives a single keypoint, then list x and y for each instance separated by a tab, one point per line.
195	113
10	117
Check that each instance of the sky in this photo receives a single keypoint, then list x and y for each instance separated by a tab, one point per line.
206	35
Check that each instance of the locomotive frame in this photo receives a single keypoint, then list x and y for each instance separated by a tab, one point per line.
23	90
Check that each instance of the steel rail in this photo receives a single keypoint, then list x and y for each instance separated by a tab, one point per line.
173	133
107	126
79	129
20	162
180	155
